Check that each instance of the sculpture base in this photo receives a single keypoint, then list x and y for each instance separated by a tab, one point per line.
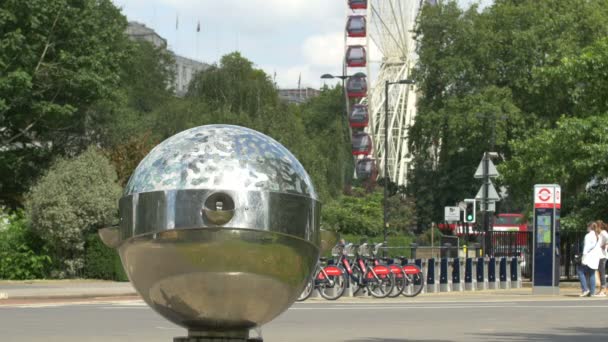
226	336
216	339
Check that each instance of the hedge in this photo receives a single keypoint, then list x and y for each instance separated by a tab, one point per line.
101	262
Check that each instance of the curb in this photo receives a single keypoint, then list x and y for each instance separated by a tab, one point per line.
4	296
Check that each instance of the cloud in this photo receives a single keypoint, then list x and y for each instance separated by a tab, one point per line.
261	16
291	37
325	50
287	77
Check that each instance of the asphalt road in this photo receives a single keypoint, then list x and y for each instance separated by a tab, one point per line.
446	318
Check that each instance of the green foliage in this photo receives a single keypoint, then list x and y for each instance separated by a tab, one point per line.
326	149
572	155
237	93
234	85
76	197
58	58
22	254
362	214
500	79
146	86
427	237
102	262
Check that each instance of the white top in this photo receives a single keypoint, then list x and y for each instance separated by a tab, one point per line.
604	243
592	251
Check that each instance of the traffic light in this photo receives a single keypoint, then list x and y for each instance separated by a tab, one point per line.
469	212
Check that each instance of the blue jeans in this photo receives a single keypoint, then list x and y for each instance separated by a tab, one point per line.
587	277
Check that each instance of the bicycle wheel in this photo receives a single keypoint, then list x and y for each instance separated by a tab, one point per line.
413	284
355	281
337	290
400	282
383	286
307	291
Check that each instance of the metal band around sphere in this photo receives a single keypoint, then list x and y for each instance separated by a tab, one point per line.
159	211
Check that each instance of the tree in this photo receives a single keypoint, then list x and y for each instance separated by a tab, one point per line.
146	86
495	76
360	214
236	93
74	198
572	155
58	58
235	85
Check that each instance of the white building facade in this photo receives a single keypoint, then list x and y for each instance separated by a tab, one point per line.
185	68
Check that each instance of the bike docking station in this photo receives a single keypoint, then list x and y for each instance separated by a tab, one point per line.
205	219
546	263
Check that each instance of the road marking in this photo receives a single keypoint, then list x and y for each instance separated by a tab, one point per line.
132	303
169	328
478	306
419	303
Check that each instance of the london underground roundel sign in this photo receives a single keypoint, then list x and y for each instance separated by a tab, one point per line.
547	196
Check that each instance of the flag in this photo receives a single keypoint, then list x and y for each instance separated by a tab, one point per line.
198	26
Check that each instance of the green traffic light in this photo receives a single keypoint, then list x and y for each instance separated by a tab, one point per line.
469	217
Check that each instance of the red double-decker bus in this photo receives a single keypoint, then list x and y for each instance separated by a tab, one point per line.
509	222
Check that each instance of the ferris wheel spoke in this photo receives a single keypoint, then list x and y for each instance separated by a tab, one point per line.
391	25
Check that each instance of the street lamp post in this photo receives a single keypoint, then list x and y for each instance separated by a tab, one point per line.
345	95
386	178
343	78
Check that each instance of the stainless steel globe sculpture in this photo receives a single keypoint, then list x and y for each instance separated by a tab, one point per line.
219	230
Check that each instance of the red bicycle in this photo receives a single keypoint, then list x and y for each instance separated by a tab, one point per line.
398	272
328	280
377	279
414	279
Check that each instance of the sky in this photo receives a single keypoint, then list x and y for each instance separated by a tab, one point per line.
291	39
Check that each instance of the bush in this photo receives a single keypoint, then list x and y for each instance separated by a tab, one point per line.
22	254
363	214
360	214
101	262
74	198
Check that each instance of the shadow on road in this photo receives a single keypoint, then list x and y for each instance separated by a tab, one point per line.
380	339
586	334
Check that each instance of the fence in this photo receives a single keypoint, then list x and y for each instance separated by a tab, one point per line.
504	244
570	243
521	244
512	244
464	274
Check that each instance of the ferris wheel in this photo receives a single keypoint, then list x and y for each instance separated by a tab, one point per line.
388	26
392	23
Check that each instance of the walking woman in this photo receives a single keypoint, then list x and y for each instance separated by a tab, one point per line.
590	261
603	237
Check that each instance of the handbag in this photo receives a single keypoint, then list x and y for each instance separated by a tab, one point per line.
578	259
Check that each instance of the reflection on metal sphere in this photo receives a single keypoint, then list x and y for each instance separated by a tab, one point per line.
219	230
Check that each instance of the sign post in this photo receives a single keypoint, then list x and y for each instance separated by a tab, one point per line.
547	205
488	196
451	214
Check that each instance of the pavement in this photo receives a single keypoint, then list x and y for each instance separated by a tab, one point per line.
507	315
11	291
49	290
